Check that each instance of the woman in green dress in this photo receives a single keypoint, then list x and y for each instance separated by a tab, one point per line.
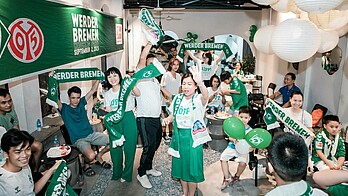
187	112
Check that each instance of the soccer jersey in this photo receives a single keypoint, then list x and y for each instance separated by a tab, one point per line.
320	143
16	183
241	99
295	188
111	99
9	119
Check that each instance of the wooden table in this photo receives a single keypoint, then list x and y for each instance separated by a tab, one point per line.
51	124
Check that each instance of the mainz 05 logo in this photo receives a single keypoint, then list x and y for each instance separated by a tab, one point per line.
27	41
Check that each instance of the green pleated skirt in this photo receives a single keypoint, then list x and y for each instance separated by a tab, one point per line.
189	167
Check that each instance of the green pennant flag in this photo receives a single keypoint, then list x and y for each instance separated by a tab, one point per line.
205	46
58	185
153	70
273	112
69	75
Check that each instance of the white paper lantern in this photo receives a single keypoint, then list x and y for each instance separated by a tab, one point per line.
342	31
285	6
329	40
330	20
265	2
295	40
262	39
317	6
343	6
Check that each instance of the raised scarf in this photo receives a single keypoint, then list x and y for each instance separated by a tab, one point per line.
58	185
205	46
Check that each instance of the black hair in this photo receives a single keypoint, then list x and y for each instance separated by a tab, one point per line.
296	93
74	89
245	110
225	75
212	78
110	71
4	92
329	118
208	55
150	56
293	76
288	155
188	75
15	137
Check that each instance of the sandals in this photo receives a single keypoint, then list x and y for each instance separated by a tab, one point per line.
89	171
104	164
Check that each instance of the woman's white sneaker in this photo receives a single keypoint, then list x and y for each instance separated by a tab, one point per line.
144	181
153	172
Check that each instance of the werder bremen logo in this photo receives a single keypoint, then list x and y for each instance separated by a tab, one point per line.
4	37
256	140
147	74
269	116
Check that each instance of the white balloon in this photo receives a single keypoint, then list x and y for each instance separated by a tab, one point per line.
329	40
171	34
295	40
265	2
262	39
330	20
317	6
242	147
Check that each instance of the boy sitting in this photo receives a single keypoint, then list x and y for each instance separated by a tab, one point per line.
15	175
288	156
329	151
230	152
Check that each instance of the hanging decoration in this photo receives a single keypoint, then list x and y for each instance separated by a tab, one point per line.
285	6
330	20
262	39
265	2
329	40
317	6
252	29
295	40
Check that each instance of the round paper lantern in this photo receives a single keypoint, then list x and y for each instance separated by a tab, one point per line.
284	6
265	2
330	20
342	31
295	40
343	6
329	40
262	39
317	6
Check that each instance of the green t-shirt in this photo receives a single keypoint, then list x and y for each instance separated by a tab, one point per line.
241	99
338	189
9	120
320	143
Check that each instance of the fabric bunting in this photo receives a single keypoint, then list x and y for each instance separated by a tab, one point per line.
205	46
69	75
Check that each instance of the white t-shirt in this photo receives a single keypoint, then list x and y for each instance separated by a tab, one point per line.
111	99
224	86
303	117
16	183
296	188
217	99
208	70
183	115
149	101
171	84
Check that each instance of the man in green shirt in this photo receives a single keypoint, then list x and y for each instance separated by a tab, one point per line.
9	120
237	91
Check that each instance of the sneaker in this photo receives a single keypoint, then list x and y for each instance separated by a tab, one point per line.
144	181
153	172
234	180
225	183
122	180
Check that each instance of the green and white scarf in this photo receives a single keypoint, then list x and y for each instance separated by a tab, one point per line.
69	75
58	185
155	34
273	112
329	145
205	46
153	70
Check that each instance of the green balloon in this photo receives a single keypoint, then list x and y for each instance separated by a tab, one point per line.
234	127
258	138
194	36
189	35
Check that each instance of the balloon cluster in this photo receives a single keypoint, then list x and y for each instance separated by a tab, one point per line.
252	29
191	37
256	138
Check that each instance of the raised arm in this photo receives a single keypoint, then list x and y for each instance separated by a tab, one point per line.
164	53
93	89
197	76
195	59
216	66
143	55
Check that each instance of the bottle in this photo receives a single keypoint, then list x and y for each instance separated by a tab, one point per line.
56	141
38	125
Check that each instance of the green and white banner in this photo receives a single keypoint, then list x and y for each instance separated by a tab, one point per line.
37	35
69	75
153	70
273	112
205	46
58	185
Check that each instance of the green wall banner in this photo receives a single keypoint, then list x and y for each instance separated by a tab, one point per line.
37	34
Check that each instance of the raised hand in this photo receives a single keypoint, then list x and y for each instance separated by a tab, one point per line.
197	74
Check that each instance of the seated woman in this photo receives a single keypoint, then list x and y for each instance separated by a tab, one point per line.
216	98
238	70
